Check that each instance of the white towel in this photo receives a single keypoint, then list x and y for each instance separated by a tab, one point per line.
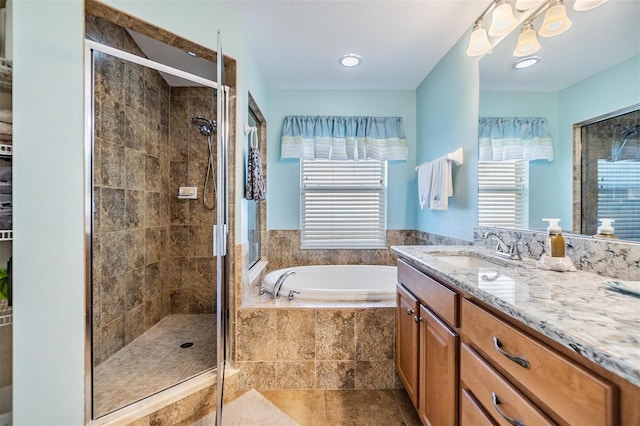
434	184
441	185
424	184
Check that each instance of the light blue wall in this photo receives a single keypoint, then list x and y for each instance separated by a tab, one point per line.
283	176
48	380
49	333
547	198
447	117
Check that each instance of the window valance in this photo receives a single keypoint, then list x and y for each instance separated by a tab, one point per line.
343	138
514	138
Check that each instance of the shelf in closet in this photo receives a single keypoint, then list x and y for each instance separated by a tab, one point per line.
6	150
6	73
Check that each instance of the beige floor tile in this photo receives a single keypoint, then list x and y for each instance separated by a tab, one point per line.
306	407
362	407
406	407
155	361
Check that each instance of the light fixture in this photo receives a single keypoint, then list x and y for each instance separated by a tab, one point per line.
582	5
555	21
350	60
527	62
502	20
479	42
527	41
523	5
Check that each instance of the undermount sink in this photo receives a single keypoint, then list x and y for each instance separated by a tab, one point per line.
464	261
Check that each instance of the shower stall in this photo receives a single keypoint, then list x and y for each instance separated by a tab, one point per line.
156	139
610	172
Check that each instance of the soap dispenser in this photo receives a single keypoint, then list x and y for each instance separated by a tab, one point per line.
556	240
606	230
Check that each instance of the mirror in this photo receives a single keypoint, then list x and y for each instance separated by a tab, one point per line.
586	72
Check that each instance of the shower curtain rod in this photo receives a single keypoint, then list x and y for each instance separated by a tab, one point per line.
151	64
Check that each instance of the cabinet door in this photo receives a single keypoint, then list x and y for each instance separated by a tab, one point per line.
438	371
407	342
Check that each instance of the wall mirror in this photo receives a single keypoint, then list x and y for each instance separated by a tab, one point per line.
559	88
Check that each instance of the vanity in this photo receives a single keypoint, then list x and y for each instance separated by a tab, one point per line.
483	340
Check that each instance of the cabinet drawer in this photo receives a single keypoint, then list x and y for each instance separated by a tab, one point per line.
472	413
440	299
573	393
499	397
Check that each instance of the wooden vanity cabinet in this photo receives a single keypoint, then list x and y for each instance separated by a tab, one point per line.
427	347
454	356
407	338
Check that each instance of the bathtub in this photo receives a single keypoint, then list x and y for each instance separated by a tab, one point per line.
336	282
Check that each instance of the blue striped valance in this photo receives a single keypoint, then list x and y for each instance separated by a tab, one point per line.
343	138
514	138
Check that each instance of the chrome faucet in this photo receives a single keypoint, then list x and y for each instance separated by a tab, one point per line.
503	249
279	282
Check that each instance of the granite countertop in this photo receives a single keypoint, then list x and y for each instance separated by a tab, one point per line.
574	309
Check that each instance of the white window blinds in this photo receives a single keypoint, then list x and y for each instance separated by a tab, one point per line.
503	193
619	196
343	204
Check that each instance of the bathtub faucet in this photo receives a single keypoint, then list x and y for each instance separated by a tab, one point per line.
278	284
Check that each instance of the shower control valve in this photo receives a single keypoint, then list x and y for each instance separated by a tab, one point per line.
188	193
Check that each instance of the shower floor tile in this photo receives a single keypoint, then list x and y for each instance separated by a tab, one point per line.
155	361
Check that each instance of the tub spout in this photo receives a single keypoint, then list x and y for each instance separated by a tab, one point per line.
278	284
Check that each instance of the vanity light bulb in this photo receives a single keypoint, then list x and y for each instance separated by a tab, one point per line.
502	20
555	21
582	5
527	42
479	42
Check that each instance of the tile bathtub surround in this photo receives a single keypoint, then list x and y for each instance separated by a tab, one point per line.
609	258
284	251
328	348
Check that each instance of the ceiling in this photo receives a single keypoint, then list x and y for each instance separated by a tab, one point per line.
297	44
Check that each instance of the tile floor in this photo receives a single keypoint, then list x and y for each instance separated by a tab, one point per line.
155	361
315	407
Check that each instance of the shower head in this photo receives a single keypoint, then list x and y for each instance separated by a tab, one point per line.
205	126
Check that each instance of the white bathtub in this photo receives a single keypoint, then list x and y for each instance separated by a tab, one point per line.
336	282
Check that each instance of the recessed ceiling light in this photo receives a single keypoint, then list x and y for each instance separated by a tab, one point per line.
191	54
350	60
526	62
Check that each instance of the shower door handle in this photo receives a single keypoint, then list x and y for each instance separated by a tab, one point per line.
220	240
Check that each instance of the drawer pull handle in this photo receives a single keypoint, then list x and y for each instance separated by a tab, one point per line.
417	319
496	402
410	311
522	361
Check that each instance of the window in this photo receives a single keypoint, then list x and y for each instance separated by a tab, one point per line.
619	196
503	193
343	203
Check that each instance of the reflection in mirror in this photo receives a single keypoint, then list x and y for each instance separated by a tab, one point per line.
609	151
585	72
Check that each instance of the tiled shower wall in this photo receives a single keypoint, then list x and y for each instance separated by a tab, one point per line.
131	169
190	289
152	253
